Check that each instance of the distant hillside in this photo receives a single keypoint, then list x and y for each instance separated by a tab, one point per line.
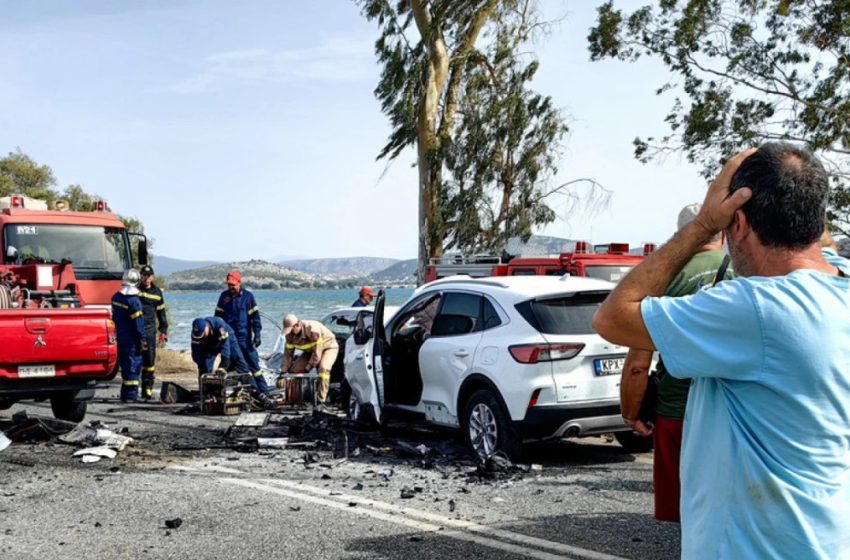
402	272
163	266
540	245
259	275
341	267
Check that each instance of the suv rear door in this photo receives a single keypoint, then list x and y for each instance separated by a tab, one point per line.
593	373
447	356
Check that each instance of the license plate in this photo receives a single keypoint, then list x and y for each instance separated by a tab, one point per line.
36	371
609	366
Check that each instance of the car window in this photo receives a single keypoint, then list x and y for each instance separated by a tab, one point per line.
419	316
563	314
340	325
490	315
460	314
523	272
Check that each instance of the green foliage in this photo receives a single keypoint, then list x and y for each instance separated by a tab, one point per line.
748	71
491	148
20	174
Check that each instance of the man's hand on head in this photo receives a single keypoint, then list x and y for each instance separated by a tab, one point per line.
719	207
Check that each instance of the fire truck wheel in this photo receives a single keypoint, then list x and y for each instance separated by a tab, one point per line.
65	408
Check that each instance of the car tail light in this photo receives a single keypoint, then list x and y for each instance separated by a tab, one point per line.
533	400
111	336
534	353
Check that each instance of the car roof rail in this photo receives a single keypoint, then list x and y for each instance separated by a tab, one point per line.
464	279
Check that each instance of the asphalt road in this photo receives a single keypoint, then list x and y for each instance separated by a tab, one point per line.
583	499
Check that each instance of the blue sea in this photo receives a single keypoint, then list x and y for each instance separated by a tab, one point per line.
307	304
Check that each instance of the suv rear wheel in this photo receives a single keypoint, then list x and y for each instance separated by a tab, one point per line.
634	443
487	428
66	408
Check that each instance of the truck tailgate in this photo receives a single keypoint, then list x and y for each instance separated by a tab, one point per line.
43	343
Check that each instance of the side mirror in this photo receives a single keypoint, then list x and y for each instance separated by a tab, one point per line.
362	328
362	335
12	254
143	251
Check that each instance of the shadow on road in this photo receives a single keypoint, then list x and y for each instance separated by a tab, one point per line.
623	535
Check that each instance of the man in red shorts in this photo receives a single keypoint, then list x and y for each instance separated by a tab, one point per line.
666	430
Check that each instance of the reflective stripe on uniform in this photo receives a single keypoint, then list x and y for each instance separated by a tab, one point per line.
150	296
308	346
135	315
324	375
130	383
121	305
257	373
253	310
149	368
160	307
219	309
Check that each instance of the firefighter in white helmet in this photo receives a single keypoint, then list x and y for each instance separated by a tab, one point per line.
319	350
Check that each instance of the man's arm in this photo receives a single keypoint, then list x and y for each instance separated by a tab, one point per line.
633	387
619	318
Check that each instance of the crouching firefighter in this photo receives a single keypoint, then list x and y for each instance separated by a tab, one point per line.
319	350
130	330
156	320
211	336
239	310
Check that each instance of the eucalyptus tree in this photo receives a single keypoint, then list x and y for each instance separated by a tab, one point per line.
743	72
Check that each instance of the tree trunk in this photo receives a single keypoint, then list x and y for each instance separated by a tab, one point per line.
427	140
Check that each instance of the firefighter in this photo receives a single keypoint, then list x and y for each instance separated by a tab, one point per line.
319	350
211	336
364	298
153	312
130	330
238	308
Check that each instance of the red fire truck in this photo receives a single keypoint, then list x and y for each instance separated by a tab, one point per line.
58	272
609	262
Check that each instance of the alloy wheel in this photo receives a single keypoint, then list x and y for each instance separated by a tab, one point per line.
483	431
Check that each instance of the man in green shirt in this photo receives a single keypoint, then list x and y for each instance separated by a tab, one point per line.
666	430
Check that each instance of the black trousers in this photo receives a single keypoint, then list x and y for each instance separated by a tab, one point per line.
149	360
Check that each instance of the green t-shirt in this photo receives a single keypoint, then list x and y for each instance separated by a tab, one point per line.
698	273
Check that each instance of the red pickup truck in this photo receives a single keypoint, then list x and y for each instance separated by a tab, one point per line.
50	346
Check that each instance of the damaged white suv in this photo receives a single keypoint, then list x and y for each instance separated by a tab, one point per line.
503	359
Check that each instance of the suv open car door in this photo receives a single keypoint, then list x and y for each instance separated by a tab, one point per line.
367	384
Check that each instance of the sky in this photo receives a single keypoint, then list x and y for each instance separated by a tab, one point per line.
239	130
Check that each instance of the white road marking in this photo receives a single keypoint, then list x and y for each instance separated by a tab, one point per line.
454	523
413	524
427	521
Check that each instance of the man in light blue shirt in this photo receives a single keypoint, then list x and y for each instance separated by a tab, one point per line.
766	454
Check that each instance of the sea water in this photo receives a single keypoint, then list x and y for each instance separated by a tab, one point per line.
184	307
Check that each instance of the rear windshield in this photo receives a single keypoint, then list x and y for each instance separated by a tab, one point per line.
611	273
563	314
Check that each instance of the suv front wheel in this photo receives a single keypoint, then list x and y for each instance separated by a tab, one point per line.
487	428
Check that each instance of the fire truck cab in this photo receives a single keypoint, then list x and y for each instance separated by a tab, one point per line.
96	244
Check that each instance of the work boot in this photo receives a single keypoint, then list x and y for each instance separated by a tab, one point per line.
147	391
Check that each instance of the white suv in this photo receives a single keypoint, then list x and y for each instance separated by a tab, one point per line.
504	359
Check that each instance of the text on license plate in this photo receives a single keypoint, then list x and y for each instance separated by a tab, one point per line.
36	371
609	366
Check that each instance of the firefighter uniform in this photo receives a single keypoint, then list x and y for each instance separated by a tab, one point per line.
220	340
155	319
130	331
240	311
319	350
